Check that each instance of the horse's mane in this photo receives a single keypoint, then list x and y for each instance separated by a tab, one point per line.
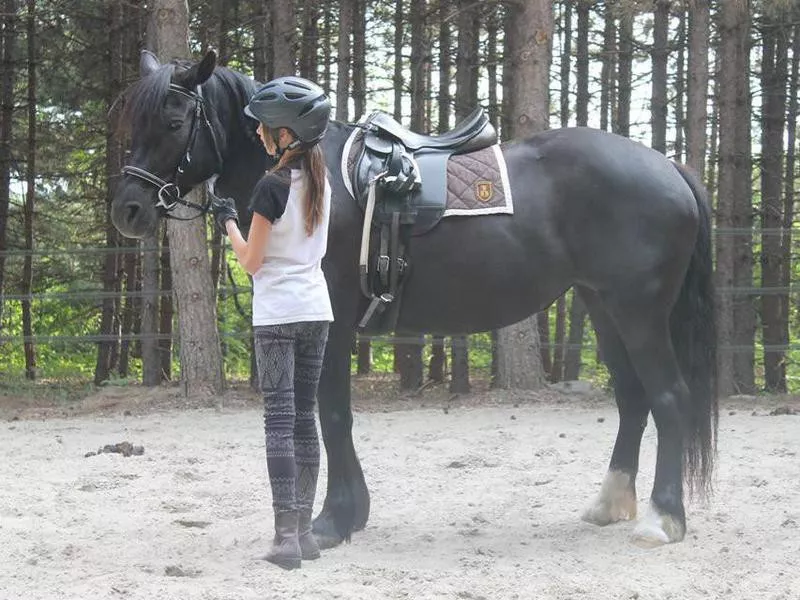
146	97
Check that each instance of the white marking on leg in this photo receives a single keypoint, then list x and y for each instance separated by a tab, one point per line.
656	528
615	502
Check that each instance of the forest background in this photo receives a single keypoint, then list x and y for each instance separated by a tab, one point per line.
710	84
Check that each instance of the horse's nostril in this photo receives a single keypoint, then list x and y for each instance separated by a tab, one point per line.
133	210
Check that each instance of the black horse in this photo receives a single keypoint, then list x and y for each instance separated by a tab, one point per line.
626	227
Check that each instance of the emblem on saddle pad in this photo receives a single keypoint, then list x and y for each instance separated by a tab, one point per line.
484	190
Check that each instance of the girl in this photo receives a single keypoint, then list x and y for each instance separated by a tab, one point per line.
291	307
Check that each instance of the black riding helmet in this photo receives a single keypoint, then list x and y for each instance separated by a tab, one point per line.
295	103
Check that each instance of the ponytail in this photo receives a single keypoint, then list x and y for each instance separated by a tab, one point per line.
314	166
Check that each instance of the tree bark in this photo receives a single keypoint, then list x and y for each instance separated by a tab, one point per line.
343	60
530	38
733	245
622	124
608	70
8	36
360	60
774	70
262	46
166	312
284	38
697	85
419	65
397	75
789	180
310	43
658	99
30	197
680	90
113	163
445	65
200	355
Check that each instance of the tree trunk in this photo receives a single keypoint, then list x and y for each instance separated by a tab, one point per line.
789	182
167	311
8	36
30	197
129	303
364	357
151	295
733	249
459	365
774	58
200	356
408	360
697	86
530	39
680	90
418	65
284	38
437	363
467	58
397	76
310	43
658	99
543	326
445	65
622	124
582	63
360	59
327	35
113	163
608	69
262	42
343	60
572	353
492	25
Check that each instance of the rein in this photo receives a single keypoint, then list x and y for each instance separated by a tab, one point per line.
169	193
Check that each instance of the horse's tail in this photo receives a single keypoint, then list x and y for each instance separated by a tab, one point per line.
693	328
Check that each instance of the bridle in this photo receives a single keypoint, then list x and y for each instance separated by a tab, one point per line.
169	193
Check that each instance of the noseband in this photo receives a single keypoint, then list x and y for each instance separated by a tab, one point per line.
169	193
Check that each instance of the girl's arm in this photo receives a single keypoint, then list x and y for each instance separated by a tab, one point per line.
250	251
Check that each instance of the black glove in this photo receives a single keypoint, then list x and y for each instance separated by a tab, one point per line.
223	209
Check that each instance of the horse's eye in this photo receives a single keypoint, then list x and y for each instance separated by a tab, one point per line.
176	124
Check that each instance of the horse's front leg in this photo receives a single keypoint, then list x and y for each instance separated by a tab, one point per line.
346	505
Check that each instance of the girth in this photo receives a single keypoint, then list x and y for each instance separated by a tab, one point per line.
399	178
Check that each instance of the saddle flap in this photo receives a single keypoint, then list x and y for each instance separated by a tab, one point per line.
378	144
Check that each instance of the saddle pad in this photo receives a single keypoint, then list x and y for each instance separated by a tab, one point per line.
477	184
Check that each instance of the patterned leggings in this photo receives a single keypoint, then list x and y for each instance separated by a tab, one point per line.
289	360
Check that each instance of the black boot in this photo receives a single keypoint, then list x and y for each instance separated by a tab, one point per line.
285	551
306	490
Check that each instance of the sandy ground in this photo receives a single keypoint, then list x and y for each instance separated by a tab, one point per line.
470	503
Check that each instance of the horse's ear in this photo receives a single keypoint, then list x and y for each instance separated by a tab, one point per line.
206	67
148	63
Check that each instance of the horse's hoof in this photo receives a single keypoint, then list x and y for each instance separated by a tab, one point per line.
325	532
615	502
656	529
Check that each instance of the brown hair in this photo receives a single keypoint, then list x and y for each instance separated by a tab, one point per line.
314	166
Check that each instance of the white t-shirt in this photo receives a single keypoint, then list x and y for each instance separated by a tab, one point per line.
290	286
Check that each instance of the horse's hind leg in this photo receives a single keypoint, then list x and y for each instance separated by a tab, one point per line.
617	498
643	325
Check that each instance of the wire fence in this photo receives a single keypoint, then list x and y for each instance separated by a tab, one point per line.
92	298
